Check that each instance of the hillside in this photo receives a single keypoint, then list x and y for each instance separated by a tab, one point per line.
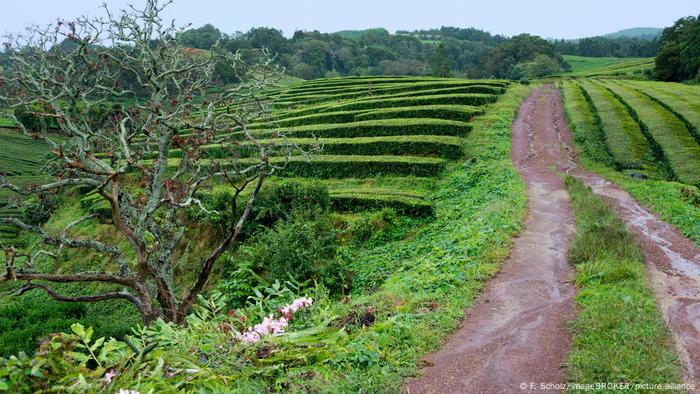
637	32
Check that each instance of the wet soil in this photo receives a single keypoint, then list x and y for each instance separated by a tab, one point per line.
516	332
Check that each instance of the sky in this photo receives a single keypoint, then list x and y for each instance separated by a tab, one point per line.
546	18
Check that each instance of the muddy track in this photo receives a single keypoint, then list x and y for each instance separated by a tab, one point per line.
516	332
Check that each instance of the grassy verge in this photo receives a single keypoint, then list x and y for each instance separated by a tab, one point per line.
619	335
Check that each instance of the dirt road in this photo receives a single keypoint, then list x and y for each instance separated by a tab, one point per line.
516	331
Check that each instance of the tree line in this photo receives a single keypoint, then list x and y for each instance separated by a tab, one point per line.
448	51
679	56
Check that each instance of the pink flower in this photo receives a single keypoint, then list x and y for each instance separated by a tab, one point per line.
300	303
109	376
248	336
271	326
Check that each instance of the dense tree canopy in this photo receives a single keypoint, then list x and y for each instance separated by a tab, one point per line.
503	60
444	51
609	47
679	57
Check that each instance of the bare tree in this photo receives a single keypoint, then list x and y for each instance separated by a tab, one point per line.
66	78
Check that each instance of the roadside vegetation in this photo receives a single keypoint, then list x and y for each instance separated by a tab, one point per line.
619	334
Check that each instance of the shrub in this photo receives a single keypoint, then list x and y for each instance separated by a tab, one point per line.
362	201
373	225
302	247
448	112
39	208
361	166
475	99
279	200
276	201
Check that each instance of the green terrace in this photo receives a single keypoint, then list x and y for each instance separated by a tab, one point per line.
625	141
363	131
372	152
639	125
448	112
21	162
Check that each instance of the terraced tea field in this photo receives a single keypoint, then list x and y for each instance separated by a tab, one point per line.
21	161
386	138
582	66
648	126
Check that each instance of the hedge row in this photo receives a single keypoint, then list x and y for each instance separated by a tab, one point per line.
671	135
349	81
583	123
481	89
354	202
374	128
327	117
474	99
298	92
414	145
448	112
330	166
661	159
624	140
686	111
409	90
345	81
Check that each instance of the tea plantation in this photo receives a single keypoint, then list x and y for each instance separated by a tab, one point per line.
380	135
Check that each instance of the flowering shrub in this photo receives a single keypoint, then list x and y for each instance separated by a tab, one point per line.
213	352
270	325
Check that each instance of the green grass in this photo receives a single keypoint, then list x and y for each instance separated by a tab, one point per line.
582	66
623	137
671	134
619	334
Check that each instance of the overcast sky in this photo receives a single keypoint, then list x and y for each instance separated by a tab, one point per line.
547	18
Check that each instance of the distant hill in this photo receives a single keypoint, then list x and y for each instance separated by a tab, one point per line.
637	32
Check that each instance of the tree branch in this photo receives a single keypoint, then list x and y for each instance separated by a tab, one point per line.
85	298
